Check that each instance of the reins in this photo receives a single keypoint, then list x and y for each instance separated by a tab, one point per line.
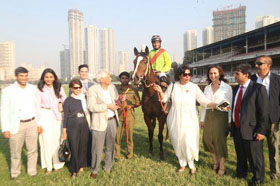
125	114
152	84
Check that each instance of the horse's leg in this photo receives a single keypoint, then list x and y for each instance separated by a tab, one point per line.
161	121
151	126
167	135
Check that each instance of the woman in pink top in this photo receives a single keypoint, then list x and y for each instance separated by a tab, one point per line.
48	96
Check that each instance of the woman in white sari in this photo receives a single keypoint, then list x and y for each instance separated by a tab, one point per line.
182	120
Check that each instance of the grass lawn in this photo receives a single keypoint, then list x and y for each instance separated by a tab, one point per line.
143	169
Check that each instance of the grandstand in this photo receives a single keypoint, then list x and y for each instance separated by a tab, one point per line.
230	52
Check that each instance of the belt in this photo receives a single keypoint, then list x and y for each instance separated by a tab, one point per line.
113	117
27	120
46	108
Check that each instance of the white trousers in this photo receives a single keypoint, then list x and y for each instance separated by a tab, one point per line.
183	162
50	140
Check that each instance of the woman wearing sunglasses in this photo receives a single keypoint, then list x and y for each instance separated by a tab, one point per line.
182	120
215	122
75	126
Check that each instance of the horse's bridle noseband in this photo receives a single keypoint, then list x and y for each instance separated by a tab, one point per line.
148	70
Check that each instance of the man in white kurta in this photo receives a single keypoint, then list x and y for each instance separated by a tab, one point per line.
182	121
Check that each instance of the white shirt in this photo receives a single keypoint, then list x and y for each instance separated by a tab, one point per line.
265	82
26	106
108	100
85	85
236	96
224	92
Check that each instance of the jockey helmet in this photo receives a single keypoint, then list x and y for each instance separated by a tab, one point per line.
156	38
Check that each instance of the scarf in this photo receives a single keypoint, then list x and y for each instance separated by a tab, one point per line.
81	97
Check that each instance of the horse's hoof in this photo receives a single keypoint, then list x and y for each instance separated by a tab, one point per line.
161	156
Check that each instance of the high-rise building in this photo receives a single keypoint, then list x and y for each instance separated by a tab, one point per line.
65	72
106	50
207	36
228	23
190	40
262	21
91	48
111	51
123	60
7	60
34	74
75	20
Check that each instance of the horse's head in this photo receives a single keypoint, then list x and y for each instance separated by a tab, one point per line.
141	65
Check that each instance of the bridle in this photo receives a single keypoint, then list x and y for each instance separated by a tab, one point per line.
144	78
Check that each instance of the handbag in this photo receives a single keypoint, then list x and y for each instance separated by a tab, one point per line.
64	153
168	104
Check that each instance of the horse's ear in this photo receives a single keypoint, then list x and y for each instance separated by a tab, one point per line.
147	50
136	51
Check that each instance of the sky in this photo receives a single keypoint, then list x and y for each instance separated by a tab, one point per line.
40	28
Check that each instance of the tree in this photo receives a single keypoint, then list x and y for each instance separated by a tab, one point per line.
188	57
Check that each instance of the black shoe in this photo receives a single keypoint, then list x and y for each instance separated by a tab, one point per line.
241	176
255	183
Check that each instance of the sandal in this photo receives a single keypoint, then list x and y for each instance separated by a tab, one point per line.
48	172
215	167
74	175
181	169
222	172
193	171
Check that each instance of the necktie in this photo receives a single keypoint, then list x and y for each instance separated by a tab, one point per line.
85	87
238	107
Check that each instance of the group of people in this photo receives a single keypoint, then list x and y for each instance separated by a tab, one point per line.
253	113
92	114
95	114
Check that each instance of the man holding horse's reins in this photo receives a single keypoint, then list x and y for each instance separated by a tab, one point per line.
160	60
128	100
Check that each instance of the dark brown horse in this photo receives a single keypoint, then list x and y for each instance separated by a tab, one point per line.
151	106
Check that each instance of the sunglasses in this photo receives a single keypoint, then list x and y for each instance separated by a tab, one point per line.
76	88
186	74
259	63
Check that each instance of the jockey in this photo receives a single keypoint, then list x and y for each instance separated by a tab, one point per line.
160	60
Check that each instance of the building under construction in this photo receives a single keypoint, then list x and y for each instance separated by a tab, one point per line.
243	48
229	22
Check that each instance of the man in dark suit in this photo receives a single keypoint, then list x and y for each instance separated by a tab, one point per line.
271	82
249	116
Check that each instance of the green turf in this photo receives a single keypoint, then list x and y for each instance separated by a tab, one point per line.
143	169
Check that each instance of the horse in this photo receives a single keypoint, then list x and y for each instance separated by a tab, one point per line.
151	106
